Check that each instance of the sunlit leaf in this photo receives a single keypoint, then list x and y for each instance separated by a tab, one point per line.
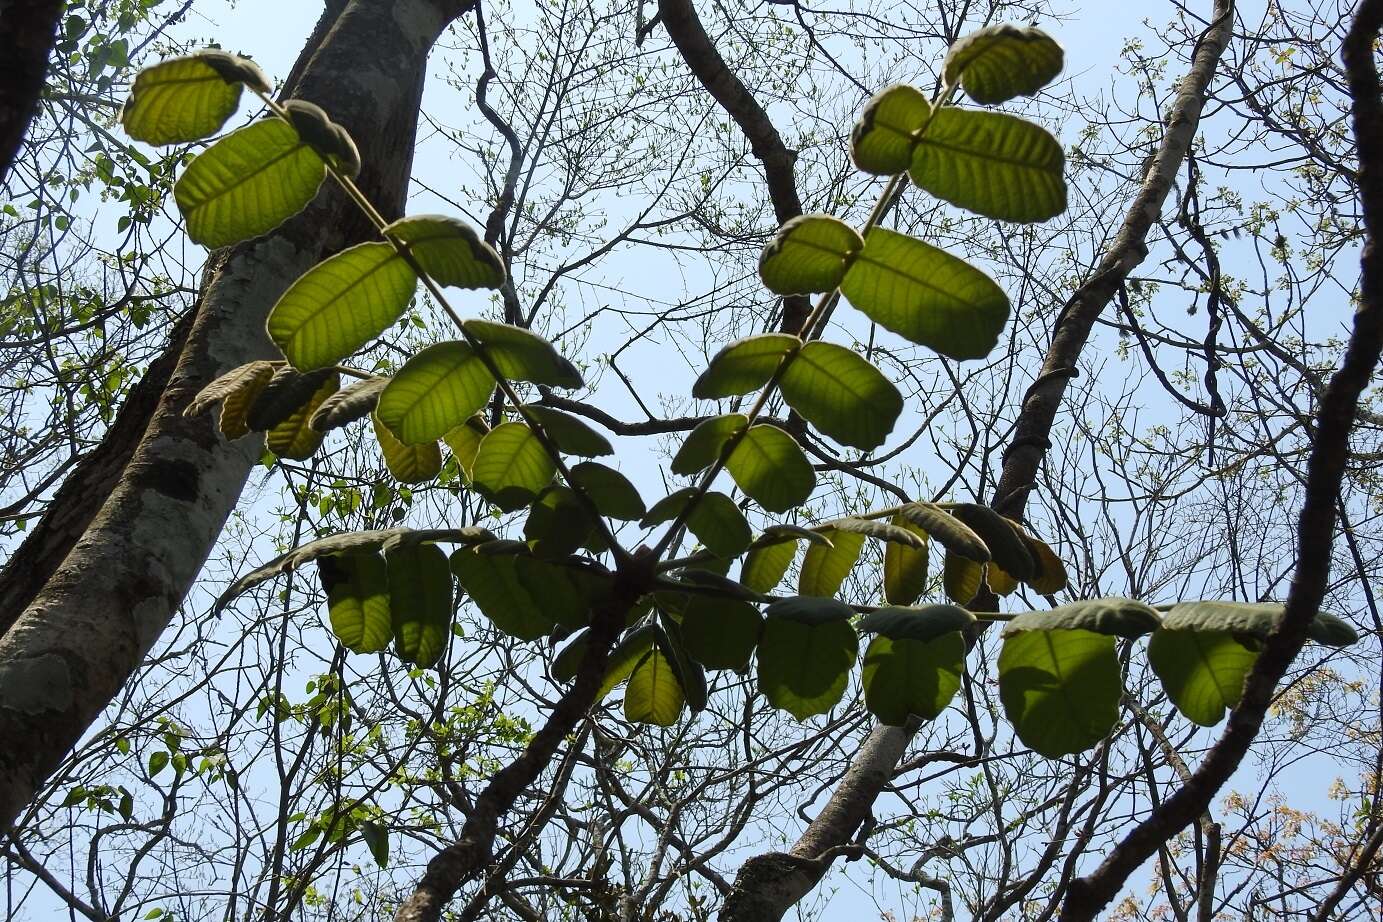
882	140
435	391
825	568
765	566
420	601
704	444
926	295
1002	61
512	467
841	394
904	677
905	568
744	366
770	468
450	251
805	655
294	438
610	490
187	99
341	304
572	435
809	254
357	587
653	695
1060	688
248	183
522	355
408	463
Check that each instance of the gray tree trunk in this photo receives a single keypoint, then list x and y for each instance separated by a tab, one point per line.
90	625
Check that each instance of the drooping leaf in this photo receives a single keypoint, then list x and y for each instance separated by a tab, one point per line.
1050	577
882	140
690	675
420	601
341	304
805	655
721	633
522	355
330	140
949	531
1253	619
993	164
294	438
376	837
926	295
824	568
1006	544
1115	616
924	623
248	183
841	394
450	251
770	468
1060	688
716	521
905	568
435	391
464	442
492	582
610	490
408	463
285	394
355	401
187	99
236	390
653	695
765	566
743	366
568	660
960	577
882	531
227	383
904	677
809	254
704	444
1002	61
512	467
572	435
626	656
357	587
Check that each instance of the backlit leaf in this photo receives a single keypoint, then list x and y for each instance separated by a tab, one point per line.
720	633
572	435
435	391
743	366
764	566
1002	61
357	587
248	183
769	466
904	677
926	295
841	394
882	140
704	444
450	251
805	656
187	99
653	695
522	355
512	467
294	438
610	490
408	463
1060	688
905	568
420	601
355	401
824	568
809	254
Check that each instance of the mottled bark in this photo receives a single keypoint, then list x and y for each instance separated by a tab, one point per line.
28	30
93	621
756	896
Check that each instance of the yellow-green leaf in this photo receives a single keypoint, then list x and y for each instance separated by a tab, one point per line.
420	601
512	467
770	468
905	568
248	183
357	587
704	444
825	567
744	365
809	254
883	138
523	355
653	695
409	463
841	394
434	392
1002	61
450	251
187	99
294	438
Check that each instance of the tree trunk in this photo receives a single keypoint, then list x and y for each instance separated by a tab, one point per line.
26	40
801	869
91	624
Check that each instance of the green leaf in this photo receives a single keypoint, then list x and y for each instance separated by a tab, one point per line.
993	164
158	761
610	490
691	675
512	467
327	138
248	183
925	623
187	99
464	442
720	633
904	677
626	656
1050	577
765	566
1002	61
1004	539
704	444
435	391
522	355
926	295
492	582
905	568
1114	616
450	251
352	402
573	436
568	660
420	601
557	524
841	394
824	568
809	254
294	437
1203	672
1253	619
744	366
376	838
653	695
805	656
882	531
408	463
1060	688
341	304
882	140
357	587
769	466
716	521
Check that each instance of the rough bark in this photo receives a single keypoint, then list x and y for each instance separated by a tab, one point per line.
91	624
756	896
1316	529
26	40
